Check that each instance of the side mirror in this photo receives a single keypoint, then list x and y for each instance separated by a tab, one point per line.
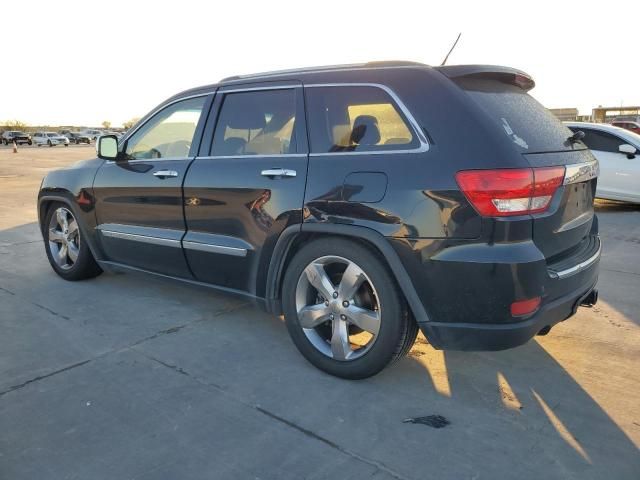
628	150
107	147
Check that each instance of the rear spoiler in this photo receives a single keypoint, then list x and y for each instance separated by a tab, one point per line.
508	75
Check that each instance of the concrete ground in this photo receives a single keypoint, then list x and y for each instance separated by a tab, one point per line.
127	376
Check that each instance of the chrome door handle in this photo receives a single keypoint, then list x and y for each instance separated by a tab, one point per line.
165	173
278	172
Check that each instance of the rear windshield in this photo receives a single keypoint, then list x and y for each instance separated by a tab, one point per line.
523	119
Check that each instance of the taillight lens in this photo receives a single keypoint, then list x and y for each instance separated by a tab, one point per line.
510	191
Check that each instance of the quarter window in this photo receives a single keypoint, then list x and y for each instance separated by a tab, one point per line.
256	123
601	141
355	119
169	133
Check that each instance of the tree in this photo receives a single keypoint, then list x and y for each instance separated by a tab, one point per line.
130	123
106	124
15	125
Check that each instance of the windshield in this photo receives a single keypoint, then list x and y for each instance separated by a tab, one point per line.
51	134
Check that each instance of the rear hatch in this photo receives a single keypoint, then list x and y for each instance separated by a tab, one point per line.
501	93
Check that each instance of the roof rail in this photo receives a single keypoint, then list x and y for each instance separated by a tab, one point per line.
384	63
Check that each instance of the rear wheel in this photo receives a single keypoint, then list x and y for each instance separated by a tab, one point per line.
344	310
69	256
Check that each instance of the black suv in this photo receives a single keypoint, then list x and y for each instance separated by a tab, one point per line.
362	201
19	137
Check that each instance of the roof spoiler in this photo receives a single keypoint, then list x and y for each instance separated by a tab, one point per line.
508	75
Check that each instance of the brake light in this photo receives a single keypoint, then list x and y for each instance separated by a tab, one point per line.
510	191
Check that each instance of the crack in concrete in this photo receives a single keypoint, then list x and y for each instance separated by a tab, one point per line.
619	271
167	331
273	416
52	312
41	377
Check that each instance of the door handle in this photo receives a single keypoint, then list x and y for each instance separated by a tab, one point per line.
278	172
165	174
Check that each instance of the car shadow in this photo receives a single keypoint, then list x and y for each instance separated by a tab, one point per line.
518	413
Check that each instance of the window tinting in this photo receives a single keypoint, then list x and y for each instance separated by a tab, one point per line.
601	141
256	123
169	133
351	118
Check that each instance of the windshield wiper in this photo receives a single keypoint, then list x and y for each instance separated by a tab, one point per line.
576	137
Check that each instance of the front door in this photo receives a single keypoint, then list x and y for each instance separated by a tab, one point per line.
139	198
247	185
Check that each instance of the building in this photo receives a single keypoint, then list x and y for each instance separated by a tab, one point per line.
565	114
608	114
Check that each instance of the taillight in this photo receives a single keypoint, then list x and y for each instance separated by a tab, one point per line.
510	191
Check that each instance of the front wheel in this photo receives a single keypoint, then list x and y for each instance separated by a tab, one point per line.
68	254
343	309
49	143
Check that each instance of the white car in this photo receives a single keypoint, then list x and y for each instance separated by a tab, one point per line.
618	152
50	138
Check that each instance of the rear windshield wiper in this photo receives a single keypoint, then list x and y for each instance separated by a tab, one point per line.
577	136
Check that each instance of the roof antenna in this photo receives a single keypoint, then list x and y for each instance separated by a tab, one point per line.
454	46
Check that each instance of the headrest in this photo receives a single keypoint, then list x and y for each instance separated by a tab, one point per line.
365	130
248	119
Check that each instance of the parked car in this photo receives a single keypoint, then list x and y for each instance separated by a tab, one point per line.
618	153
50	138
92	134
77	138
362	202
627	125
17	136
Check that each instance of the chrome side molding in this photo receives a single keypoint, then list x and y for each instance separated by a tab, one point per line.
577	268
209	248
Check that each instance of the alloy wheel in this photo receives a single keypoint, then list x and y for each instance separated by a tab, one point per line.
338	308
64	238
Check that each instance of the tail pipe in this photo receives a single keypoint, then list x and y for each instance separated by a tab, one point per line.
591	299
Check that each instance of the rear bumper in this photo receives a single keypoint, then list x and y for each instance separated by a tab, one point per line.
482	336
469	300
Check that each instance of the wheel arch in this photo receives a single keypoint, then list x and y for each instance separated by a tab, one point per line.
44	203
293	237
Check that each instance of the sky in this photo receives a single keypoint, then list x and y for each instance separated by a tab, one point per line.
83	62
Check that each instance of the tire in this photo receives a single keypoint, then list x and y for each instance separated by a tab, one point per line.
57	237
66	144
384	330
49	143
30	142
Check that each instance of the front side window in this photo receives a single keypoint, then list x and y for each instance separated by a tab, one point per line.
169	133
601	141
256	123
354	119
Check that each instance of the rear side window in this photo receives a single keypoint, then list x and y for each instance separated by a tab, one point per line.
356	119
530	126
256	123
601	141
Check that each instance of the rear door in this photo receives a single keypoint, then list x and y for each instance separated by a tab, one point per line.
139	198
247	185
619	175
